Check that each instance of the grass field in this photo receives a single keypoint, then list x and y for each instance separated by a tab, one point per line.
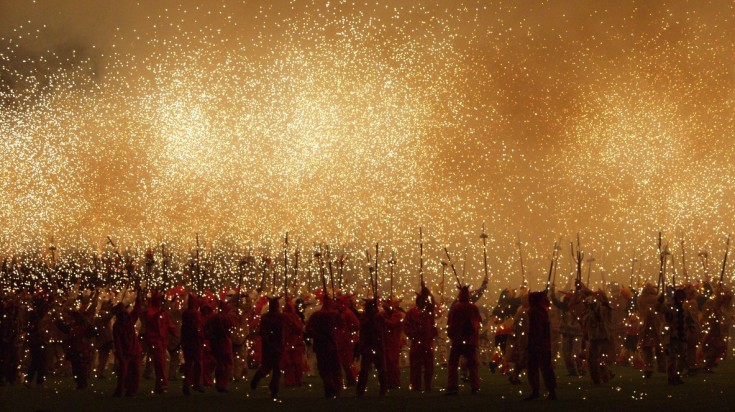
627	392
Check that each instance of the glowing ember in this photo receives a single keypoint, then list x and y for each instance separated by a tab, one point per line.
350	123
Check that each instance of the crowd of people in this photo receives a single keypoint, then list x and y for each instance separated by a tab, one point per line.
206	340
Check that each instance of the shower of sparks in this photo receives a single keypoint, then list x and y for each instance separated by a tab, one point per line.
350	123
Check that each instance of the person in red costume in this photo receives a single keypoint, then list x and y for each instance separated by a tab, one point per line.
192	340
322	328
219	331
539	345
37	338
80	332
420	327
254	342
128	351
371	345
393	324
209	363
272	335
293	357
463	329
347	337
158	326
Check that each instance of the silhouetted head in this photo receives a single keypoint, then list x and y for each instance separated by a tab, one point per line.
328	303
273	305
370	306
119	309
464	294
156	300
538	299
194	302
289	307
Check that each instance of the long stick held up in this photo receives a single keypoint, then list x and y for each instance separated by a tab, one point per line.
200	281
285	267
377	268
724	260
551	267
456	277
421	256
662	263
520	254
371	271
331	272
318	256
392	263
684	262
483	235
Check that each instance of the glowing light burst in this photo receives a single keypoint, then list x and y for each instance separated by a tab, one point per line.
352	123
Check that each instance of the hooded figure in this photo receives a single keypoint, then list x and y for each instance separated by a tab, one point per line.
219	331
127	348
570	331
254	342
372	347
649	339
420	327
104	339
716	326
293	359
192	341
539	345
463	329
347	337
393	323
597	328
79	346
680	328
11	326
322	328
38	338
272	335
158	326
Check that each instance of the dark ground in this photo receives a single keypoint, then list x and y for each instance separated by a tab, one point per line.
627	392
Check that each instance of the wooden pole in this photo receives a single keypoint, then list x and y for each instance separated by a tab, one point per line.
632	271
590	261
377	270
449	258
464	263
520	254
318	256
684	262
371	271
199	280
421	257
724	260
483	236
392	263
285	267
331	273
296	270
